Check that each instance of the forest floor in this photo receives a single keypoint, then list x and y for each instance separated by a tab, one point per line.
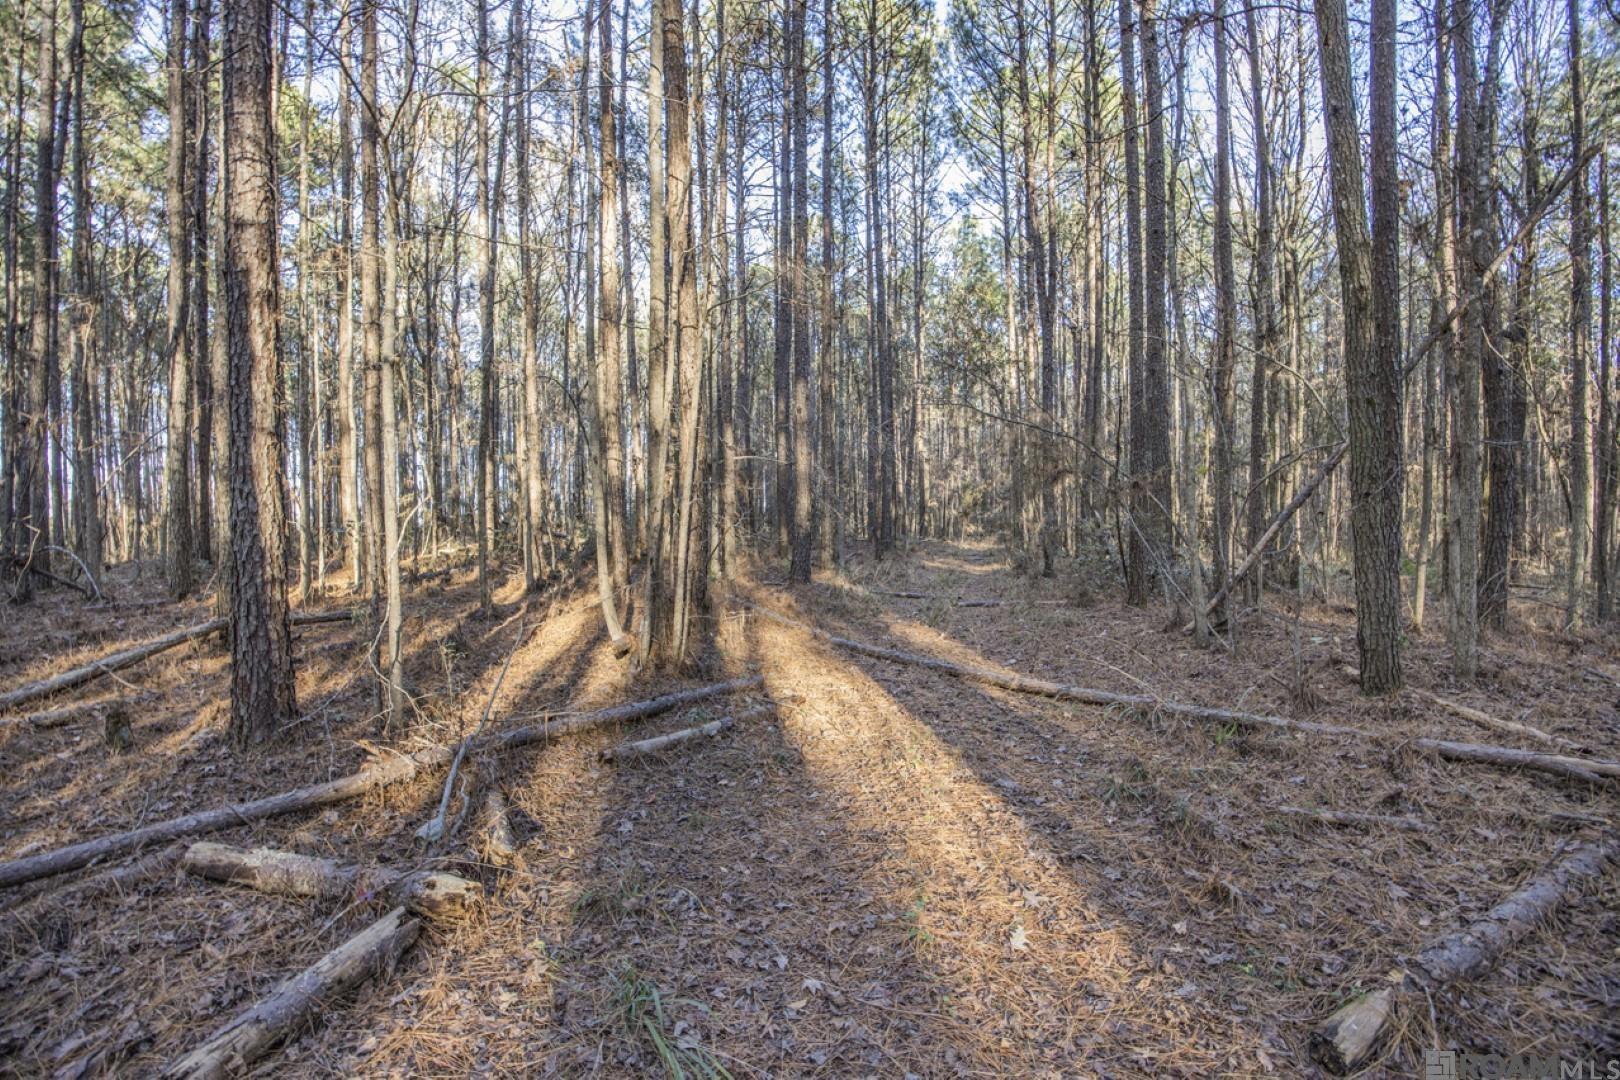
898	874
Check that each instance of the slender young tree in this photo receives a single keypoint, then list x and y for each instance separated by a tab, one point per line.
1580	330
1223	369
1468	351
87	528
1150	427
799	529
177	468
1138	573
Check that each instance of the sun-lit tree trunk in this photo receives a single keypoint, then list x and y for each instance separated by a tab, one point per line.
262	690
308	330
665	617
534	516
1093	272
610	357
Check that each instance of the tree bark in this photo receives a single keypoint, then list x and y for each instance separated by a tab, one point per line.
1371	334
177	459
262	690
1580	331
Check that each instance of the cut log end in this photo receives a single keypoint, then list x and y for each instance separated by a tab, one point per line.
1348	1039
439	896
499	845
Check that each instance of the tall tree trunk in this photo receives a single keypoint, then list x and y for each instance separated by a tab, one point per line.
1223	367
782	322
673	469
609	357
262	690
1580	329
86	503
177	467
534	517
1138	574
1150	429
826	509
1265	318
348	447
1469	353
799	527
1373	387
485	226
1603	510
201	347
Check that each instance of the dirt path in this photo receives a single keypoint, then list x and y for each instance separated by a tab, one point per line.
900	874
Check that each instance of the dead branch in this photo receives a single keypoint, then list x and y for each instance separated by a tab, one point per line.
1484	719
438	896
78	897
1306	490
1346	1040
375	775
124	658
66	714
643	747
248	1037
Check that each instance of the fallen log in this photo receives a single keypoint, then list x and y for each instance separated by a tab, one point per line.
254	1032
438	896
1470	952
124	658
66	714
1026	684
78	897
1352	818
60	861
374	775
1589	770
1347	1039
1495	723
643	747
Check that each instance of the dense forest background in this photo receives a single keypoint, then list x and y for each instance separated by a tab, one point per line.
297	294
